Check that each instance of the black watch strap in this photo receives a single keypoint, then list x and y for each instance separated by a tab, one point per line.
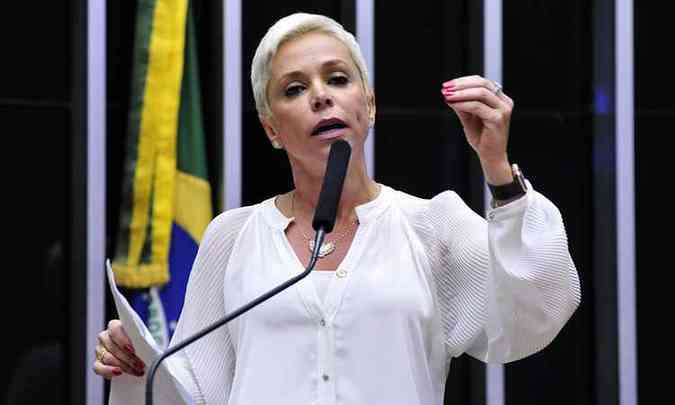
511	190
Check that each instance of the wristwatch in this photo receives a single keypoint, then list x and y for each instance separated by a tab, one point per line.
512	190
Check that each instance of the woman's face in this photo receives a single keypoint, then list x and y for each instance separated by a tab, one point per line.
316	96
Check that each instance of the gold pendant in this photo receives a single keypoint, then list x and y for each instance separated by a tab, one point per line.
325	249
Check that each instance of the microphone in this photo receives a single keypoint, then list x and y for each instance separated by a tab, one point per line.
323	223
329	197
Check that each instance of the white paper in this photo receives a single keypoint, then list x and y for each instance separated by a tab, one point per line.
128	389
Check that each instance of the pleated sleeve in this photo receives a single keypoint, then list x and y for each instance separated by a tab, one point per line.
207	366
505	287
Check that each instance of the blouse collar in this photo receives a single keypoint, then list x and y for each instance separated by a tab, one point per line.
372	209
274	217
365	212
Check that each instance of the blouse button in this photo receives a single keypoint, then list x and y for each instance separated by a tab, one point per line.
341	273
325	377
323	322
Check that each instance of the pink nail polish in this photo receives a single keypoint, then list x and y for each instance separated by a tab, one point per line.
129	348
117	371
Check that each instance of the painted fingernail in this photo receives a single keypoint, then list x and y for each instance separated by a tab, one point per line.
129	348
117	371
139	365
138	373
448	85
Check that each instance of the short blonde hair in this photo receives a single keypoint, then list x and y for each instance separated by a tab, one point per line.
286	29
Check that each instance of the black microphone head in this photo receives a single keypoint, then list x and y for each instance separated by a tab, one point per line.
334	178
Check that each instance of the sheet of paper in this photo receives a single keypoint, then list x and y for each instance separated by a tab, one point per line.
128	389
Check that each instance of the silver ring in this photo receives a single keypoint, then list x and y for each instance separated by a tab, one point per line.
498	87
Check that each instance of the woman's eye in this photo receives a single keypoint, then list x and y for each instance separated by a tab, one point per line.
339	80
293	90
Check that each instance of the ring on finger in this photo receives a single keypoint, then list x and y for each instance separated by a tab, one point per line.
497	86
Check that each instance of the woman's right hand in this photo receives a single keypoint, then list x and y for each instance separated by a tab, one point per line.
115	354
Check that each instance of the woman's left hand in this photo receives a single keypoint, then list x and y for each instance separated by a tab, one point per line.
485	113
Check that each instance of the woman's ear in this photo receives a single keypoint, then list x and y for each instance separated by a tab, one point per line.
371	107
270	131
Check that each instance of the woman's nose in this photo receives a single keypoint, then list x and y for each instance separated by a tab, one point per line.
321	100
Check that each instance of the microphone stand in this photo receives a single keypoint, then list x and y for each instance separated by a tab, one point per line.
318	241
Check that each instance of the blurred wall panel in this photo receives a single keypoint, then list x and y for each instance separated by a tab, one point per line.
654	117
35	117
548	71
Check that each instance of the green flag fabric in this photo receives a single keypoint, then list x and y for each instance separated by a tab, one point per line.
166	194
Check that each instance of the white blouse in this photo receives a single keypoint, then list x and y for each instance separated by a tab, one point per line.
322	281
423	281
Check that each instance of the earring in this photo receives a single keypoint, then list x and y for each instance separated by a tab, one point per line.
276	144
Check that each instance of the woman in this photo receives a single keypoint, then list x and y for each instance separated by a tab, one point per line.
405	283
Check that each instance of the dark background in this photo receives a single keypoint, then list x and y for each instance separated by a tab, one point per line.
553	68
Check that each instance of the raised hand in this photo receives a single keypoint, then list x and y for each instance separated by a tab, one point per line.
485	113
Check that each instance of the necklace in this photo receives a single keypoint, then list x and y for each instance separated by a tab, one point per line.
327	247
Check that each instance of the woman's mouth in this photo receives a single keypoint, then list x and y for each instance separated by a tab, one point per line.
329	128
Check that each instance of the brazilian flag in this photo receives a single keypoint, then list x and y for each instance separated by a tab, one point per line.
166	202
